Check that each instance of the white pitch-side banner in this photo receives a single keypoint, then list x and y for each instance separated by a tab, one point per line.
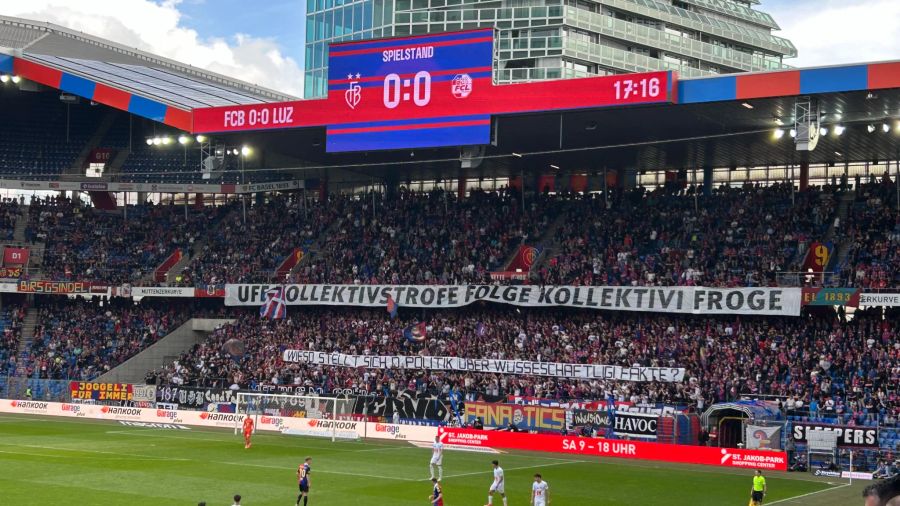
178	419
687	299
521	367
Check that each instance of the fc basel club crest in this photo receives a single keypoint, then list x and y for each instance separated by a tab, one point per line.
354	93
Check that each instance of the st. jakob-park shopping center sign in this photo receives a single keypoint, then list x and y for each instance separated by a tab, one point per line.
682	299
426	91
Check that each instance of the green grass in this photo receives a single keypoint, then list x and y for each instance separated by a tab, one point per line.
51	461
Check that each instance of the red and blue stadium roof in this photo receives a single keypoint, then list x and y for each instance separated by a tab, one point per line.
82	81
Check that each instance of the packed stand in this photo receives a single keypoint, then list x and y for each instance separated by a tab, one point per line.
10	334
426	238
873	233
82	339
734	237
87	244
847	369
240	252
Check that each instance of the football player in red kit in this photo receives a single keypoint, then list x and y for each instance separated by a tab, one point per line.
248	431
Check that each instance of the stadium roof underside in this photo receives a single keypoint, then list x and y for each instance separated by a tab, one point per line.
723	121
651	138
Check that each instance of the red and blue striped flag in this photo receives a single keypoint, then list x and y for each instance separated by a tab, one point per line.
274	307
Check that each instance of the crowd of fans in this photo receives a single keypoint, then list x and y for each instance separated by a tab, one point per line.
819	362
425	238
735	237
9	215
86	244
82	339
10	335
240	251
873	230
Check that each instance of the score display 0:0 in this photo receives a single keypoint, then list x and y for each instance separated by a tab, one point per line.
644	88
396	89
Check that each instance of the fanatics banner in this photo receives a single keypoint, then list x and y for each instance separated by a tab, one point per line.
687	299
521	367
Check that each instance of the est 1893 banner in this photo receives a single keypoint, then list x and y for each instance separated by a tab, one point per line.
681	299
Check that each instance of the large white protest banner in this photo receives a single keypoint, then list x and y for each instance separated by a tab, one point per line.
522	367
682	299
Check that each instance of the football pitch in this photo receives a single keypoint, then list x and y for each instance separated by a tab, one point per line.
52	461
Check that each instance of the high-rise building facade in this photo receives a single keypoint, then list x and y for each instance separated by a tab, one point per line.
557	39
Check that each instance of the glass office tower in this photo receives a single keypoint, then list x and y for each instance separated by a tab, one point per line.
557	39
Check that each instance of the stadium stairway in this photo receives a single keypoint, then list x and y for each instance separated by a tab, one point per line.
835	234
77	168
28	324
178	268
21	226
547	240
315	247
164	351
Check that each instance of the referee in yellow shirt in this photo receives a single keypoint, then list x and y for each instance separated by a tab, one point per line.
759	489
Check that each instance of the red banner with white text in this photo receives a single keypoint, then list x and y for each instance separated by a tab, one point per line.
704	455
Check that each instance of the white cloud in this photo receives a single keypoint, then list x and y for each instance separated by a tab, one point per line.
828	32
157	28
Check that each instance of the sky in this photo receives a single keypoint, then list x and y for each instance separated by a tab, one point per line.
262	42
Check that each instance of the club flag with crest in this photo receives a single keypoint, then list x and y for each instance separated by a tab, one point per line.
274	307
392	307
415	333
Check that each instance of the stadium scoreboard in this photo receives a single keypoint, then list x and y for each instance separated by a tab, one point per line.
427	91
407	93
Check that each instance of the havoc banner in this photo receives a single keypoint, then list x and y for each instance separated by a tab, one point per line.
520	367
688	299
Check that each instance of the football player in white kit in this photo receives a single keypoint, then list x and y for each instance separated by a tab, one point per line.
540	491
437	458
498	485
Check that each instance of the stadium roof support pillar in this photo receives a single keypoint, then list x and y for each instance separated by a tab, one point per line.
629	180
804	176
707	180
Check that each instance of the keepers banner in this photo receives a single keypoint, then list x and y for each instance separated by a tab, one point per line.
686	299
521	367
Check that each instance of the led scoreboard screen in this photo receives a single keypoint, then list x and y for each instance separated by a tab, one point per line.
407	93
427	91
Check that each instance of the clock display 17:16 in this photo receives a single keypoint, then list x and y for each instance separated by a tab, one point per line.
397	89
641	88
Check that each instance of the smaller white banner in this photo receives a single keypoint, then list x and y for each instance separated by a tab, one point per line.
162	291
879	299
519	367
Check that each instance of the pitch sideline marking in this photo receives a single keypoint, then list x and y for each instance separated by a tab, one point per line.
808	494
152	433
120	454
